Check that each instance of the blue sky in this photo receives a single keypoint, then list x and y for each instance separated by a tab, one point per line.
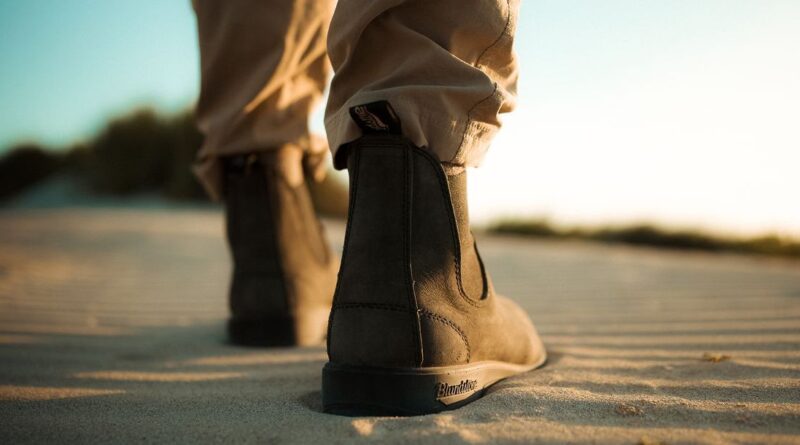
67	65
675	111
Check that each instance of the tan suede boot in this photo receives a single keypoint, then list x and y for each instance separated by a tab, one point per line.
284	273
416	326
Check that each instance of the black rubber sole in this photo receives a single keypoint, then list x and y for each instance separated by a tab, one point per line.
365	391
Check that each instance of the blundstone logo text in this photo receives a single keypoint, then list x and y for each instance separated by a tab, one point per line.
369	119
444	390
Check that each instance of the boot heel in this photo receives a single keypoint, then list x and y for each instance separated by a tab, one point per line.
305	329
273	331
365	391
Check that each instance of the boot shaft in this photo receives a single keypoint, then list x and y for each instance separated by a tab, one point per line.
407	249
283	270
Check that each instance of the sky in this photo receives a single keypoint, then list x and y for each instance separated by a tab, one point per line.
683	113
66	66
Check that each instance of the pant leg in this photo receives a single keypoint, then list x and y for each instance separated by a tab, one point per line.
263	69
447	67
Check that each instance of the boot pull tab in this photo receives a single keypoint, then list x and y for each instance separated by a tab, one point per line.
376	117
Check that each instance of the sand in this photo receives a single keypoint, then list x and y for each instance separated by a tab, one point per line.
111	330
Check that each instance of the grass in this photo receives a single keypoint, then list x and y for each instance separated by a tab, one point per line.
654	236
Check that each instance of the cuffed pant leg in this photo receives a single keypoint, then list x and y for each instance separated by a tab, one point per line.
263	69
447	67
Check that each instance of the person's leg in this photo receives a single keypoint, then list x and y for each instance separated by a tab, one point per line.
447	67
263	69
416	326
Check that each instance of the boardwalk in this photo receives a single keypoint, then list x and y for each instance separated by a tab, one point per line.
111	331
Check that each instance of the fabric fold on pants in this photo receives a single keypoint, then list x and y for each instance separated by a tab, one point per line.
263	67
447	68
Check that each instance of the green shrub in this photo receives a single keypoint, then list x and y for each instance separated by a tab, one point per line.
654	236
24	166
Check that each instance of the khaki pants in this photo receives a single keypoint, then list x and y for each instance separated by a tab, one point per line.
447	67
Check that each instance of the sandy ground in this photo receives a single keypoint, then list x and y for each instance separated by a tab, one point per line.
111	330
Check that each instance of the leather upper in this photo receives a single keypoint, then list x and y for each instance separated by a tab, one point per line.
412	289
282	265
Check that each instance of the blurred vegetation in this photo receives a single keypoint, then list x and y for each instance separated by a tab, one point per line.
142	152
24	166
145	152
654	236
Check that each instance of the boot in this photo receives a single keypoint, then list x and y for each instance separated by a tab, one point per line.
416	326
284	273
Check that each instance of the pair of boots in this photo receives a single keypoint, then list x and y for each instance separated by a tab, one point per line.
415	326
